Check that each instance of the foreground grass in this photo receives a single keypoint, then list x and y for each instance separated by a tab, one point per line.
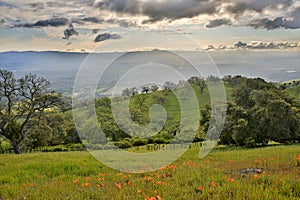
77	175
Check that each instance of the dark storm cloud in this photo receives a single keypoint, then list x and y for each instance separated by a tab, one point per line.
55	22
70	31
106	36
217	22
239	7
121	6
268	24
293	23
158	10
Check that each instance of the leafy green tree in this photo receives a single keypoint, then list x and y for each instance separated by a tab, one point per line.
21	101
153	88
258	112
199	82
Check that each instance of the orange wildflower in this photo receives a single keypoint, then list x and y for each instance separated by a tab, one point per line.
158	182
88	178
100	185
158	197
265	161
164	175
200	188
119	185
213	184
150	198
31	184
24	185
255	175
87	184
75	181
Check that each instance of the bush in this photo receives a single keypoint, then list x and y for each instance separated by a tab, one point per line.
140	142
150	140
123	144
160	141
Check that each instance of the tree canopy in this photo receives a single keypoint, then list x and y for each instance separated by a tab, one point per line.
24	103
257	113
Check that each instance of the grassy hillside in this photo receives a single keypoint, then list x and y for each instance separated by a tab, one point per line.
78	175
294	91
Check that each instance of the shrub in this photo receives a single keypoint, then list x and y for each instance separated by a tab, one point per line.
123	144
140	142
160	141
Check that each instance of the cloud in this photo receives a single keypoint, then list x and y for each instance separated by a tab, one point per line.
157	10
120	22
292	22
238	7
256	46
55	22
217	22
268	24
36	6
6	4
56	4
255	13
92	19
69	32
106	36
240	44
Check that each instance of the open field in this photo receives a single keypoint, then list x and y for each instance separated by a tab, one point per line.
77	175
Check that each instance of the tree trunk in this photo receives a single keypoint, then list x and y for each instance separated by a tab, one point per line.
16	148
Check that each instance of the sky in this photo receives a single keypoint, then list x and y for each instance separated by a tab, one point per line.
122	25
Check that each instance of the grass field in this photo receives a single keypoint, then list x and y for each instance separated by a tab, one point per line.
294	91
77	175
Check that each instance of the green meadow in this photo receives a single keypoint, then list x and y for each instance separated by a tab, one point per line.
78	175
